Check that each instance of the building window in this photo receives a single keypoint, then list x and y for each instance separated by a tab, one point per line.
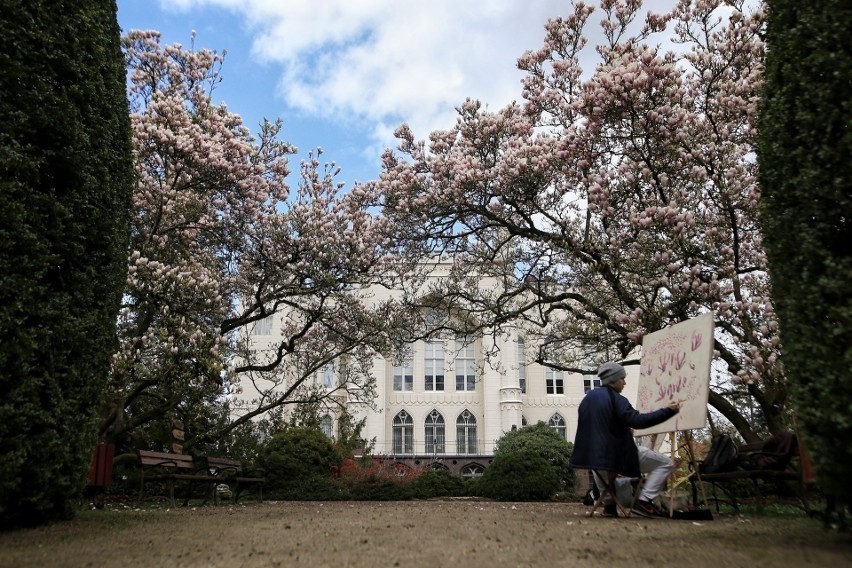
434	366
466	433
522	366
403	373
403	433
327	426
434	434
554	381
590	382
434	319
263	326
472	470
328	376
465	365
557	424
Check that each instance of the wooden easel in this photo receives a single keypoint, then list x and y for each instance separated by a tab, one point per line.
687	445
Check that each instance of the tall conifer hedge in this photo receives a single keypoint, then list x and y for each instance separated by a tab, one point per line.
805	155
65	189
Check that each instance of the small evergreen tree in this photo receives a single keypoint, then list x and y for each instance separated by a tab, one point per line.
298	460
542	440
65	184
521	475
806	207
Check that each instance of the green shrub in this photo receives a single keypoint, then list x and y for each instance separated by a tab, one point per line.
544	442
806	204
369	479
378	489
438	483
521	475
307	488
295	455
66	182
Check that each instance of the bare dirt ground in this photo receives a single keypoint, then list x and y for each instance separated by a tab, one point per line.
417	533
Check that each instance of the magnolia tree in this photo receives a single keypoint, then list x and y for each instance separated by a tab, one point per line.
219	243
613	201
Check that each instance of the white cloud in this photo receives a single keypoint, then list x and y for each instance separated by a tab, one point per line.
387	62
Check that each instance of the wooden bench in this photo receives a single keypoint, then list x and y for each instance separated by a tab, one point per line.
169	467
230	472
794	469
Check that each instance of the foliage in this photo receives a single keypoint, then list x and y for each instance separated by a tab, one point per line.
65	185
521	475
439	483
806	207
221	244
347	431
371	479
306	488
615	201
295	455
542	440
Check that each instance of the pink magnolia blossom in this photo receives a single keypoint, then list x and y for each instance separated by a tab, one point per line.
624	196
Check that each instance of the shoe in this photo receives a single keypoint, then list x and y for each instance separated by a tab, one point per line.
645	509
610	510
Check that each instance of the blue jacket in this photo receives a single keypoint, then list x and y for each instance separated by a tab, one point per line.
603	439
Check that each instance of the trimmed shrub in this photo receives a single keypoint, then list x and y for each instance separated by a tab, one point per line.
806	205
438	483
65	183
521	475
296	458
544	442
370	479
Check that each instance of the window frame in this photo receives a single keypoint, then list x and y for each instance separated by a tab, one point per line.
434	433
403	434
433	361
465	364
554	381
403	373
590	382
466	433
558	424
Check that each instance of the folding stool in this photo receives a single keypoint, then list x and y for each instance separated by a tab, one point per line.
608	478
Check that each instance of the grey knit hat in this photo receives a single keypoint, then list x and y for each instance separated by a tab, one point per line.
610	373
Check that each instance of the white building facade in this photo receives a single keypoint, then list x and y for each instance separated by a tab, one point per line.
445	403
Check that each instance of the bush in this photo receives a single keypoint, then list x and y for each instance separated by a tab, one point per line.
377	480
307	488
438	483
806	203
66	183
296	456
544	442
521	475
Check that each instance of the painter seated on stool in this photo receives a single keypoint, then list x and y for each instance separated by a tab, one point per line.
604	440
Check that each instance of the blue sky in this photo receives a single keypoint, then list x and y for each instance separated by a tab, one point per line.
343	74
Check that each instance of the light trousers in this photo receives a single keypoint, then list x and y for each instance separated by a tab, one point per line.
657	467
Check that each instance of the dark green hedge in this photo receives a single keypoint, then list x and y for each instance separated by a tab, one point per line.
295	456
545	442
805	156
522	475
65	186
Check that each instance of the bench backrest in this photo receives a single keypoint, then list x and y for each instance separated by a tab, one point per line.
164	459
223	466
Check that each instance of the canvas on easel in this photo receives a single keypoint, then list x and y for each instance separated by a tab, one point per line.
675	366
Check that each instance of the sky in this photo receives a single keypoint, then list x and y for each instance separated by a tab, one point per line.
344	74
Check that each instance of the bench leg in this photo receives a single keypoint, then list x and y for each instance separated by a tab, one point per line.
758	497
171	484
